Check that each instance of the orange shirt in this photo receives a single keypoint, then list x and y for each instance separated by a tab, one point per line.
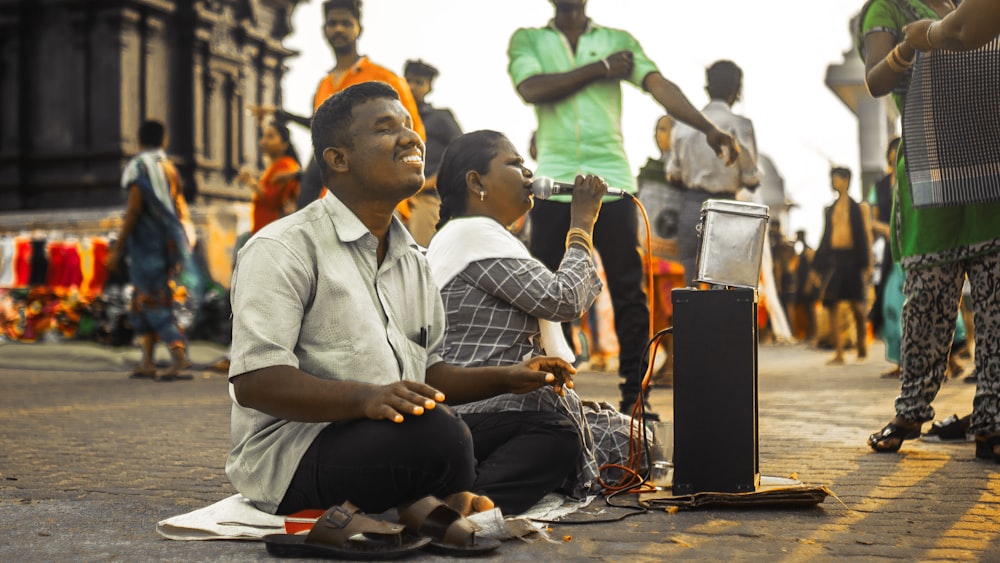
269	204
367	71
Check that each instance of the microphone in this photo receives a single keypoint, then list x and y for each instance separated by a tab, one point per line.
544	188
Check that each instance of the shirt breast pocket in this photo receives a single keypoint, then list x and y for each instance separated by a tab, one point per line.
413	360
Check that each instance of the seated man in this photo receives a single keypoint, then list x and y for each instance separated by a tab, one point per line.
336	380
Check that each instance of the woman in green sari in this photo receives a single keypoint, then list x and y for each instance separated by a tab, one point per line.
937	248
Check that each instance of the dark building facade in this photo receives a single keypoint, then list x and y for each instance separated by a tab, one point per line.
77	77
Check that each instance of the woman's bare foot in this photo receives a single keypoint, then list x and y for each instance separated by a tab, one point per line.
176	370
836	361
143	371
180	364
891	374
467	503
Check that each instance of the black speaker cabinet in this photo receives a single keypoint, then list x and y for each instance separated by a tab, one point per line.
715	391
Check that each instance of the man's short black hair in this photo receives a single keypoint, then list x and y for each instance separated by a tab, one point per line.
420	68
723	79
151	133
331	122
842	171
353	6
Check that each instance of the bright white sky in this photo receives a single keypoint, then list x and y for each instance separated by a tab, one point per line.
783	46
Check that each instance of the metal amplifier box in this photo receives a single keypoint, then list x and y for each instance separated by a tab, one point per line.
732	243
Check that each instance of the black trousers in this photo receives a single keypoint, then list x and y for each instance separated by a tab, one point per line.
616	240
522	456
378	465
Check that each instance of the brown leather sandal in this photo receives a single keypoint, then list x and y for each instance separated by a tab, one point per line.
450	532
344	532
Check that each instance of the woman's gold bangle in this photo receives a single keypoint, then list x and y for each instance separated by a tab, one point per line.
579	241
898	54
581	237
894	64
928	34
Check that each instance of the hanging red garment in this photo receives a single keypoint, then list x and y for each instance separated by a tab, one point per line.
71	275
57	263
99	249
22	261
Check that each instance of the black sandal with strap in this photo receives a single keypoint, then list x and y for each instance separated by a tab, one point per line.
987	447
892	432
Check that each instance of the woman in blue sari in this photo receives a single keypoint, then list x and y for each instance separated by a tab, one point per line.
160	263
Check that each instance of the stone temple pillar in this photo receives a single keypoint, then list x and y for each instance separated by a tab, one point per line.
78	77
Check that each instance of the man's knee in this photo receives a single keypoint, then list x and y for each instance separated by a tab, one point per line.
445	430
445	443
565	442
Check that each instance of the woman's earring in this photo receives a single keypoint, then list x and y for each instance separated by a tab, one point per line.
482	195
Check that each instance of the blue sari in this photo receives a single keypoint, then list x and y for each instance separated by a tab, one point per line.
160	257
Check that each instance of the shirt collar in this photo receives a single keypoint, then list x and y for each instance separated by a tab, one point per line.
591	26
358	65
718	104
350	229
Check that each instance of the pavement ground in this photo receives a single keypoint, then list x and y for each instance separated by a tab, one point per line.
91	460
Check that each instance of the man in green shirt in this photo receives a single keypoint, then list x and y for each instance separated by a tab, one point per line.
571	71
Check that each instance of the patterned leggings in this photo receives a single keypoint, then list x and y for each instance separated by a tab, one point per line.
932	297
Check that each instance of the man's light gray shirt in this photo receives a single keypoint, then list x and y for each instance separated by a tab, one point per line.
694	164
307	292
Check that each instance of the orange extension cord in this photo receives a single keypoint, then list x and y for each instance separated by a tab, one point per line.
633	480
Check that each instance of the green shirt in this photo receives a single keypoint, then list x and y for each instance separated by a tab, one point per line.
580	134
927	236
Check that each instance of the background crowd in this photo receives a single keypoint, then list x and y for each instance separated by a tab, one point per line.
920	276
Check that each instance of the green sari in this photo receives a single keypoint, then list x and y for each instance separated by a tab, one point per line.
928	236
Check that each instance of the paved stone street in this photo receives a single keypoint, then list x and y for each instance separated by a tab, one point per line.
90	461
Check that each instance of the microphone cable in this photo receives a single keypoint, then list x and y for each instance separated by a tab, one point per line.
635	478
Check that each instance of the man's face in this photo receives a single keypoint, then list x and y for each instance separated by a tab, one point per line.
663	128
341	29
387	155
570	5
839	183
420	86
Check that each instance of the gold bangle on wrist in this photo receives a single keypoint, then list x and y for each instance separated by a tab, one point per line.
896	61
581	242
890	61
900	59
581	237
927	36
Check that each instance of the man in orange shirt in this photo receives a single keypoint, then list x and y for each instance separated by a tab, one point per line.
342	27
